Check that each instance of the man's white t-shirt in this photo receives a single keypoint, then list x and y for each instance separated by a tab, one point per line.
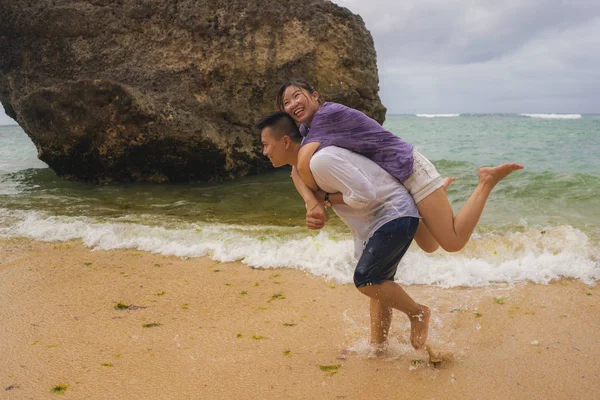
373	197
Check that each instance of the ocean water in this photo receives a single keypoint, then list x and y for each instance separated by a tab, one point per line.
540	224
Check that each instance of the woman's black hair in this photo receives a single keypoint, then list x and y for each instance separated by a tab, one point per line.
301	83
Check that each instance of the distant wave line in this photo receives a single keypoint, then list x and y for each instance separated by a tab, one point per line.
553	116
437	115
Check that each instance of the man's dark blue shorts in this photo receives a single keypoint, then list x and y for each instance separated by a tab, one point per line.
380	258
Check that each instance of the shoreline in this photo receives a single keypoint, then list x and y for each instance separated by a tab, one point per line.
135	325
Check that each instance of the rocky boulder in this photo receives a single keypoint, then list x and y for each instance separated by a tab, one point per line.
162	90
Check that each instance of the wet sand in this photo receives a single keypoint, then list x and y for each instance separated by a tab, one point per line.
127	324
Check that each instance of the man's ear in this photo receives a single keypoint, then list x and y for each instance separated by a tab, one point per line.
287	141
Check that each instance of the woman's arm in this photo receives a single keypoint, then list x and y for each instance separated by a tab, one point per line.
305	192
304	155
316	214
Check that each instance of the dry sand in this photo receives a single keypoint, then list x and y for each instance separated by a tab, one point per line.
227	331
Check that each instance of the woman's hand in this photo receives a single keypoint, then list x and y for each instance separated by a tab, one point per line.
317	217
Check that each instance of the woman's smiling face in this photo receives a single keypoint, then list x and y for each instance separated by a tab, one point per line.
300	104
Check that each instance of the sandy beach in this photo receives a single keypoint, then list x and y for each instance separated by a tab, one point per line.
127	324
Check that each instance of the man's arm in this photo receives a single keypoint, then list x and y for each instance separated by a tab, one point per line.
353	187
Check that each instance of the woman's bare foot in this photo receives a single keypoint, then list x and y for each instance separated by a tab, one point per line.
447	182
419	327
493	175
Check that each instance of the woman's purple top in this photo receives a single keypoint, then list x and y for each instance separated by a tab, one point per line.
337	125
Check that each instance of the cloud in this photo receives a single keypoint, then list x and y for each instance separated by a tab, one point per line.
487	56
443	56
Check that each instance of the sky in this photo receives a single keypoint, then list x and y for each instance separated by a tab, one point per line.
483	56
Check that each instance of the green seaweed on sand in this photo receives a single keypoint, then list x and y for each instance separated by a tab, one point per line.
477	314
243	293
287	352
330	369
499	300
276	296
151	325
122	306
259	337
106	364
239	336
59	389
288	324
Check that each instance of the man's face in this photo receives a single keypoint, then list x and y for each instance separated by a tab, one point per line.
275	149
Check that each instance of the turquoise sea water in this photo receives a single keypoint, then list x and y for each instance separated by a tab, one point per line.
539	224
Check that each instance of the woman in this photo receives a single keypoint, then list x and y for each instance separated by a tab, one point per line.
332	124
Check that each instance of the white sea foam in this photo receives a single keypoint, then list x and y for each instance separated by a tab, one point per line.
553	116
437	115
562	252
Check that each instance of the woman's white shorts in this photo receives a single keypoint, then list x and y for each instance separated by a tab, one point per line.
424	180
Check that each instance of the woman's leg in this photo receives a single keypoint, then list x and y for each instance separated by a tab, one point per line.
453	232
425	239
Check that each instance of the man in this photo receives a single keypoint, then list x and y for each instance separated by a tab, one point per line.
383	219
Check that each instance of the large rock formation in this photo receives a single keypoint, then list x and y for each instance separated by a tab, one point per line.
164	90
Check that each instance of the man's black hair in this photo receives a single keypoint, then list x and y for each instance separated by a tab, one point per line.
282	124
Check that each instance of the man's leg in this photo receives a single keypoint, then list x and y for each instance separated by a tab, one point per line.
392	295
375	272
381	319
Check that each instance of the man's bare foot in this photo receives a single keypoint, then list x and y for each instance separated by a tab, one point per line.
419	327
493	175
447	182
377	350
344	352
